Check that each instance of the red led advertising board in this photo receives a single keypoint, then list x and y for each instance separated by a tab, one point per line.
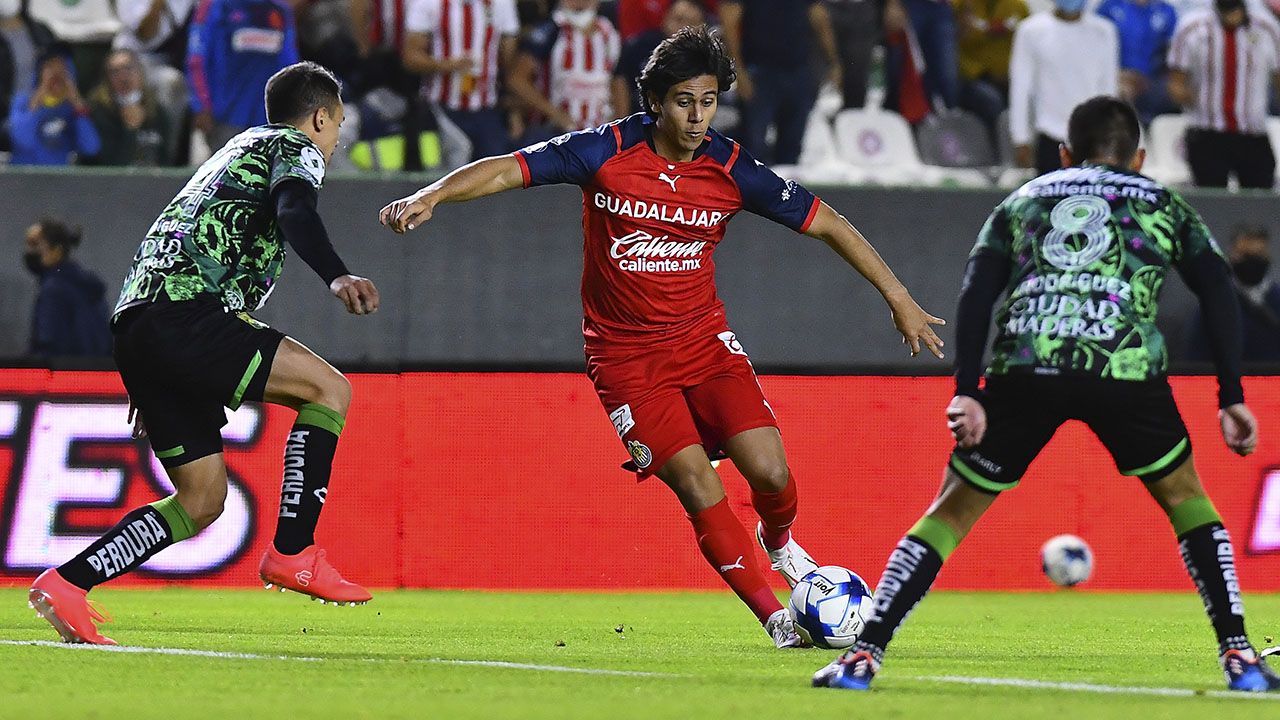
512	481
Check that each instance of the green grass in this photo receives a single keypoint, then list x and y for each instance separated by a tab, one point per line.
376	661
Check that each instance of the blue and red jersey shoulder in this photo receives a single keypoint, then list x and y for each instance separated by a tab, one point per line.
617	156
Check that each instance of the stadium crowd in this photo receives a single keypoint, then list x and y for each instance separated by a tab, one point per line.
433	83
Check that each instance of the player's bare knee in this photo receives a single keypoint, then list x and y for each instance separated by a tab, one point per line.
336	393
204	504
770	477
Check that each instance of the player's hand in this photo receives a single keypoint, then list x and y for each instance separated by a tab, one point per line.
914	324
357	293
407	213
135	419
967	421
1239	428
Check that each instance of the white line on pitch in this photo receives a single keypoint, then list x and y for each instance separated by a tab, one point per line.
1092	688
133	649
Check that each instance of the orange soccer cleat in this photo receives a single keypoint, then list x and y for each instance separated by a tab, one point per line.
66	607
309	573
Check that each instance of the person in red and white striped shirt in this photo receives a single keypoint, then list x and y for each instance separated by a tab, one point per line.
462	47
564	69
1221	67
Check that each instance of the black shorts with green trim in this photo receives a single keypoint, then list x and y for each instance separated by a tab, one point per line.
183	363
1138	423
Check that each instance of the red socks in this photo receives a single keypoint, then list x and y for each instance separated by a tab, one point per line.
777	512
729	550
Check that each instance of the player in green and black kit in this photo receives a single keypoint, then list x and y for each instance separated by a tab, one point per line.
1080	254
186	349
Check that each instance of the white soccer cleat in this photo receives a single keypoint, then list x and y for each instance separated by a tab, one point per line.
790	560
783	631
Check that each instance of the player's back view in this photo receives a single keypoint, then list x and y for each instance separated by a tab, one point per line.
187	349
1081	254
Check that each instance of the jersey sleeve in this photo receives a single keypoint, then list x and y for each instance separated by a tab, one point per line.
1194	237
785	202
572	158
299	158
540	41
996	235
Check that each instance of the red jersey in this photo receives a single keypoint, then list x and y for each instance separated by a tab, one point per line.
651	226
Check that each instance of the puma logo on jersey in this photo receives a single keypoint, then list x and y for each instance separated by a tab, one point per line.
737	564
669	180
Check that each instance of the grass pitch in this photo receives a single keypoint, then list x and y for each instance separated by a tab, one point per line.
412	654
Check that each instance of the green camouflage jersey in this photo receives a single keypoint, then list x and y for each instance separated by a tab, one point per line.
1090	247
219	235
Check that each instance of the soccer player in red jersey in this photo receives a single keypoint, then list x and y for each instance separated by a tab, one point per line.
658	189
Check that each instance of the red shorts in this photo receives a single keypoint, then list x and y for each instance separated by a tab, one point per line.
698	390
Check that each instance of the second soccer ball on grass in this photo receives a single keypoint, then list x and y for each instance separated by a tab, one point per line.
1067	560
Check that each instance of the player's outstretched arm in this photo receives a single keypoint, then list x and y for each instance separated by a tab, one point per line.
486	176
303	229
911	320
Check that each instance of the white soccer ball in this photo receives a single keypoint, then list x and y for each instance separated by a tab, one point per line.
830	606
1067	560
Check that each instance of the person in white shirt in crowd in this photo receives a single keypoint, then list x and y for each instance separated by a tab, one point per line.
1060	59
462	47
87	26
1221	67
563	72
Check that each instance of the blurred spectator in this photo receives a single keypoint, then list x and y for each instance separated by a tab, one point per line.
637	17
857	25
986	44
234	47
636	51
51	121
770	42
1221	66
1060	59
133	126
934	24
1250	257
21	43
70	315
564	70
326	36
462	47
157	31
1145	28
87	26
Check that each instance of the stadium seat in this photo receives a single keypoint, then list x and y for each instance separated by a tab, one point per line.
820	162
956	139
1167	150
1273	132
881	143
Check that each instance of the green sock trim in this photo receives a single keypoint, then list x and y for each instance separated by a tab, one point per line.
1163	462
180	523
1193	513
170	453
245	379
936	534
321	417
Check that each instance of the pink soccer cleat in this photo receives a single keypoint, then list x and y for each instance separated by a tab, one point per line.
309	573
66	607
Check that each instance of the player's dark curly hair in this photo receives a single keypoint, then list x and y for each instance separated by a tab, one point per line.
59	234
299	90
690	53
1103	127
